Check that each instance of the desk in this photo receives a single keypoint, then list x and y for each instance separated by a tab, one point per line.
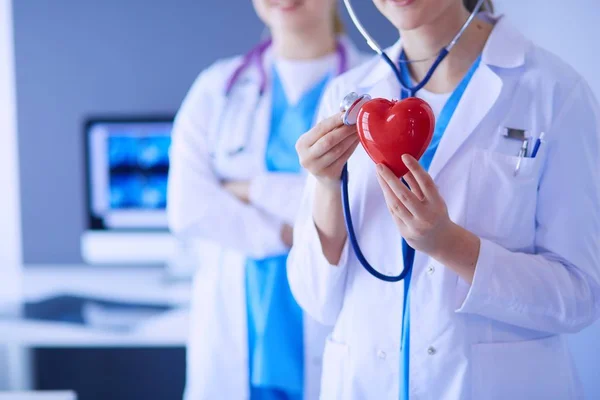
119	283
59	395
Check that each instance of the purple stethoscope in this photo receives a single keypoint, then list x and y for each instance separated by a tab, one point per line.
255	57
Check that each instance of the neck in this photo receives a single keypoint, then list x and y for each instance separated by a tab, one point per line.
427	41
307	45
430	38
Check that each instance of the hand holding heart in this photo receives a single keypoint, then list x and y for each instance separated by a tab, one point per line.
418	210
396	134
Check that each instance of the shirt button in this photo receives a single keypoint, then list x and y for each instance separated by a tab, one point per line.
381	354
431	350
431	270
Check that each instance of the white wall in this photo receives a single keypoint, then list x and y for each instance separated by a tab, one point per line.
546	22
10	233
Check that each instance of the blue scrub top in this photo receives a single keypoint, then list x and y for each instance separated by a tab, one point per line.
275	327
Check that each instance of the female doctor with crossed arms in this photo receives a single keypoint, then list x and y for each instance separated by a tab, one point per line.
506	258
235	184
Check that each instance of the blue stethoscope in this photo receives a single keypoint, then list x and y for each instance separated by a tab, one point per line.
352	103
255	57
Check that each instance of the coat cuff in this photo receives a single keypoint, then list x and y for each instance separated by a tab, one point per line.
331	272
477	297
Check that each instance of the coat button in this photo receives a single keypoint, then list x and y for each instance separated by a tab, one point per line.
431	270
381	354
431	350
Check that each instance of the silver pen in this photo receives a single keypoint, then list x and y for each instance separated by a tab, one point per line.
522	154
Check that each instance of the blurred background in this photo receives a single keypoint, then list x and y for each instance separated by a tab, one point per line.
93	289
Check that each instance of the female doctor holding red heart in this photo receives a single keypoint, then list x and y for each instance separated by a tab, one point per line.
503	239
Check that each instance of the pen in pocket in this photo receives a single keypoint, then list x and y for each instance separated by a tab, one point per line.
521	155
536	146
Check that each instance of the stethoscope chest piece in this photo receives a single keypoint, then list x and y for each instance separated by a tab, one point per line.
351	105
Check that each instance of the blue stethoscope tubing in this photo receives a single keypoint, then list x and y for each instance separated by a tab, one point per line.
411	92
354	242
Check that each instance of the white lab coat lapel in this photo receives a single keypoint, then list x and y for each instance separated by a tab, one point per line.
245	124
478	99
505	48
231	133
262	124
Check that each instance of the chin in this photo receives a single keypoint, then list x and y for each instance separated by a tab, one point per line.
410	15
292	15
291	24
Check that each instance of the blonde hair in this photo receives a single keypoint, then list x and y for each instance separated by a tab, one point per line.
338	24
488	5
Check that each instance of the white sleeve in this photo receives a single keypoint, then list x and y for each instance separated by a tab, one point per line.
197	204
558	289
318	286
278	194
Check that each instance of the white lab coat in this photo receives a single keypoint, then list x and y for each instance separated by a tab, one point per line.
217	357
538	273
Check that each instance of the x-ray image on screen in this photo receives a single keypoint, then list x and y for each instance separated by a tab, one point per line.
128	171
138	171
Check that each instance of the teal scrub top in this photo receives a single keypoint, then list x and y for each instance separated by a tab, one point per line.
275	326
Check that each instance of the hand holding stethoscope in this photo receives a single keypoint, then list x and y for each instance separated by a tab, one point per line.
325	149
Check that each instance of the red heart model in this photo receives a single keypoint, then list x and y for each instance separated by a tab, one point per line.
389	129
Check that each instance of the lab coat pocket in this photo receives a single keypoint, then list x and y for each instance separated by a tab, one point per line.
533	369
501	203
335	360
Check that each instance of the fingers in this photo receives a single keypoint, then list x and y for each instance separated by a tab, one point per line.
414	186
321	129
422	178
395	206
328	142
335	153
335	169
339	163
400	191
